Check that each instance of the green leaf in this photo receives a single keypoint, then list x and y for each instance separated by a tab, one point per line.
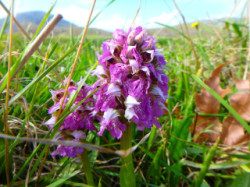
3	70
154	168
242	180
237	29
206	164
180	131
201	48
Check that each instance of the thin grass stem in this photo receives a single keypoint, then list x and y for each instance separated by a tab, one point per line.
76	58
190	39
7	98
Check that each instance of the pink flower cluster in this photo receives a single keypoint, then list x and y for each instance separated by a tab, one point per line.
133	89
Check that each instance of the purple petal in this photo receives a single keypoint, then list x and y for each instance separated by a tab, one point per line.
54	108
109	102
115	131
119	36
66	80
149	44
155	90
57	95
118	72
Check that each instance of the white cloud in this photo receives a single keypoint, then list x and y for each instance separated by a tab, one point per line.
84	3
2	11
73	14
112	23
164	18
119	22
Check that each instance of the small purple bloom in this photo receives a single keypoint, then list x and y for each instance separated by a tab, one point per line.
69	151
77	122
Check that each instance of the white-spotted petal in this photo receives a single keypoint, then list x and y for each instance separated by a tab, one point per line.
98	71
130	103
110	114
114	89
51	122
134	64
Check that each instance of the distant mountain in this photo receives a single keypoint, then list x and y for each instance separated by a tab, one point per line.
30	21
206	28
36	17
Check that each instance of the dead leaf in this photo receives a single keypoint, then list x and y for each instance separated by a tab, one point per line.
232	132
240	101
206	103
208	130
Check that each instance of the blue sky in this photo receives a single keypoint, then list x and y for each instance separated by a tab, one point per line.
121	13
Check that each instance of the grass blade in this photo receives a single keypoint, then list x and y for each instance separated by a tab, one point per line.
174	29
40	77
5	25
94	18
30	49
223	165
45	18
206	164
62	180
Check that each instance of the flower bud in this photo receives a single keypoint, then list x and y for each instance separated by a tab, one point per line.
139	39
131	38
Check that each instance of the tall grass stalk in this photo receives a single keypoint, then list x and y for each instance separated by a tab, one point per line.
7	98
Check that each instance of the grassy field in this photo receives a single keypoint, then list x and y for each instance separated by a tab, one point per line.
170	157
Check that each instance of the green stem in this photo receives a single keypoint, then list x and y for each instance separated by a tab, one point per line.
86	168
127	175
